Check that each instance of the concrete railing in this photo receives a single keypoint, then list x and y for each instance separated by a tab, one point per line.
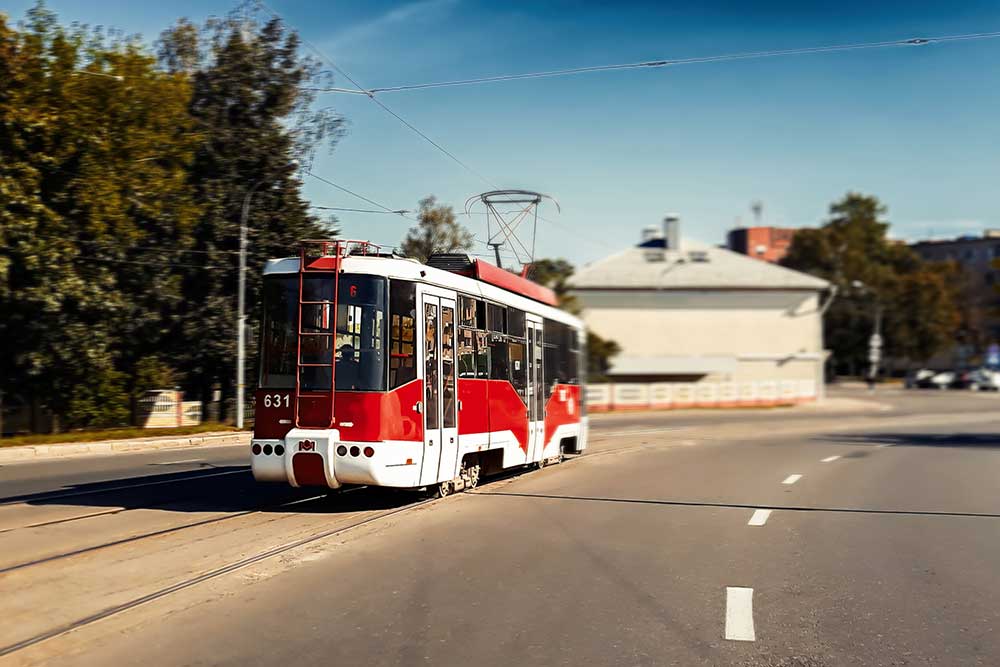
679	395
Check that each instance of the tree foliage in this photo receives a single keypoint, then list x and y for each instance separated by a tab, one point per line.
437	231
121	182
871	272
251	111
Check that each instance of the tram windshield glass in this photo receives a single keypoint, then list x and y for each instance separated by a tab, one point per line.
359	344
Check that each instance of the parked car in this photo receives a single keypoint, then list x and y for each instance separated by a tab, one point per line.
919	379
925	378
983	379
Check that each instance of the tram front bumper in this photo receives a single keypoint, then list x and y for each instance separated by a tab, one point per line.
304	457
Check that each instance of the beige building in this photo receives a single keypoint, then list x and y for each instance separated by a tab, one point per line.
690	314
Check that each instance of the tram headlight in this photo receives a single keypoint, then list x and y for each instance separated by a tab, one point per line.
369	452
341	451
355	450
255	449
279	450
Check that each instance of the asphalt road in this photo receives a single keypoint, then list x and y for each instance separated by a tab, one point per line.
866	536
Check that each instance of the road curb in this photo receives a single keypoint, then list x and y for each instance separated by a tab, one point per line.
58	451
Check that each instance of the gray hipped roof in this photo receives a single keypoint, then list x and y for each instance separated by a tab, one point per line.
692	266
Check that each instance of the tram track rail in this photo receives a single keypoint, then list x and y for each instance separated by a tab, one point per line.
156	533
209	575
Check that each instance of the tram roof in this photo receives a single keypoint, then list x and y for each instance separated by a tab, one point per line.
408	269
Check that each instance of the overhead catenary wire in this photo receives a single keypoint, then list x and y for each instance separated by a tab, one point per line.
385	108
357	210
667	62
383	207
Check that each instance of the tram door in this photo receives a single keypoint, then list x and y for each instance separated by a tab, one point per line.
536	390
440	404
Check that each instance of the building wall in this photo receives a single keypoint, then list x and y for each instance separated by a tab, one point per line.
773	334
767	243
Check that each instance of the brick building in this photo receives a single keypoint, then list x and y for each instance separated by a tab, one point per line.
767	243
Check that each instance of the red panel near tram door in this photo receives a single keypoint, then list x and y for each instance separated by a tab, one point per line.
376	416
474	416
508	412
563	407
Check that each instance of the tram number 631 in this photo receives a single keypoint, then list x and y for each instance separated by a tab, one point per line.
274	400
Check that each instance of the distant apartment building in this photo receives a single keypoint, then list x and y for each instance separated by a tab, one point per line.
767	243
977	256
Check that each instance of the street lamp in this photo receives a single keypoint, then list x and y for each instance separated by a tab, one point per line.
241	307
875	340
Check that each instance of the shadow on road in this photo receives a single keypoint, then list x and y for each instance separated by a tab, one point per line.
220	489
724	505
968	440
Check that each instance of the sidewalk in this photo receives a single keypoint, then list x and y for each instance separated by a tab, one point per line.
43	452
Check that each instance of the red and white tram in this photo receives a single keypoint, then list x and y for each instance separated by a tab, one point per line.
379	370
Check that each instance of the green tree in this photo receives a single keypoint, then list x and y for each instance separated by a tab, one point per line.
871	272
554	273
94	211
251	108
437	231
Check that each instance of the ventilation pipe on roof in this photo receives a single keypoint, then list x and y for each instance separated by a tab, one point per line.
672	231
650	233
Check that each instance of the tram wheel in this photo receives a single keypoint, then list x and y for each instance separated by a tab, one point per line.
473	474
443	489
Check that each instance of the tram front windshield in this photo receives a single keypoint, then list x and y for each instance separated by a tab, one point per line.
359	344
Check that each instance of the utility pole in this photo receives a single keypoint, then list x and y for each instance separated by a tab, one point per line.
875	348
241	308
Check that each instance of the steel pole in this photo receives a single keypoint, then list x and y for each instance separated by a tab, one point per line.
241	310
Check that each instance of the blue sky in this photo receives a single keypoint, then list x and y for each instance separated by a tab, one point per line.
918	127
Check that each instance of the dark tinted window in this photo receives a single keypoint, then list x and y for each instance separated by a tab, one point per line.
561	352
499	367
402	329
359	344
496	318
515	322
518	368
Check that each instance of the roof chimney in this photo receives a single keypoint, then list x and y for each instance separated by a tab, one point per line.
672	231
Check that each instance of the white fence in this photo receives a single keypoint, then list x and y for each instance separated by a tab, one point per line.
166	409
677	395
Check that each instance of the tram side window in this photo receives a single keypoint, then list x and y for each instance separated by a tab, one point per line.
482	355
496	318
466	353
467	312
473	345
402	353
515	322
517	355
499	365
573	362
562	355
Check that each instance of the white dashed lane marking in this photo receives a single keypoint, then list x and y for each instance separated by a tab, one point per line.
739	614
791	479
830	459
759	517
